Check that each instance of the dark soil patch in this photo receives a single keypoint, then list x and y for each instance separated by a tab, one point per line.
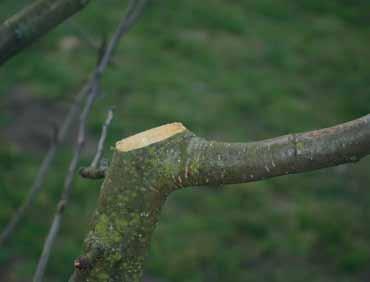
32	121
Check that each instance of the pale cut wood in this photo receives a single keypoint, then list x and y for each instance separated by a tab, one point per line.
150	136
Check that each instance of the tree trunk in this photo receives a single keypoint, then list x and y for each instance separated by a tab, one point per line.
148	166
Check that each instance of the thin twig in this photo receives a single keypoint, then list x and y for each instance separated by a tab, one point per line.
103	136
133	12
96	170
88	39
53	232
132	15
44	167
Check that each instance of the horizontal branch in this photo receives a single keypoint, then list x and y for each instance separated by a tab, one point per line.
210	162
93	172
31	23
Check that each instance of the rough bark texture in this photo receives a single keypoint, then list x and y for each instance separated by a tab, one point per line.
132	195
34	21
139	180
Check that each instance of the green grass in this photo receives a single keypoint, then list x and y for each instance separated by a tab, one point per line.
229	70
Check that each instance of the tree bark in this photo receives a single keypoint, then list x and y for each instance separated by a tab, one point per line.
25	27
148	166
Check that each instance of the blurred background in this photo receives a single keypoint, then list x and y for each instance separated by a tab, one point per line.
238	70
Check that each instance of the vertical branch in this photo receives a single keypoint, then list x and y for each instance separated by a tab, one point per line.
99	151
134	10
53	232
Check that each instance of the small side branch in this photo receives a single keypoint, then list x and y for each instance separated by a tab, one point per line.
99	151
97	169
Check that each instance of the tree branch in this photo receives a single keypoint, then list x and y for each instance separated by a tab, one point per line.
93	85
96	170
68	185
212	162
103	136
125	25
148	166
32	22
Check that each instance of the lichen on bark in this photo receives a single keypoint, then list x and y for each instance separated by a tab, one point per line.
139	181
132	195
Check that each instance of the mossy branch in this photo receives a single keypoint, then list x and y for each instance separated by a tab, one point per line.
148	166
32	22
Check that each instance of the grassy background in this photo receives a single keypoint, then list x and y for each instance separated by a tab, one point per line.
229	70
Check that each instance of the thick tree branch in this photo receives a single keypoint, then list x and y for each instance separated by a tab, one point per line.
148	166
210	162
31	23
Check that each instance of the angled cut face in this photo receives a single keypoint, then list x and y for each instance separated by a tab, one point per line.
150	136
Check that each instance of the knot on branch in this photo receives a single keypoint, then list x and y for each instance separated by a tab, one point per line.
93	172
82	263
61	205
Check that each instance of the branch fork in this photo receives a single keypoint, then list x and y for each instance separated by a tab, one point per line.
148	166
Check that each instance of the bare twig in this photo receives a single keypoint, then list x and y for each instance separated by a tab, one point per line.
67	186
96	170
99	151
89	40
133	11
44	167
